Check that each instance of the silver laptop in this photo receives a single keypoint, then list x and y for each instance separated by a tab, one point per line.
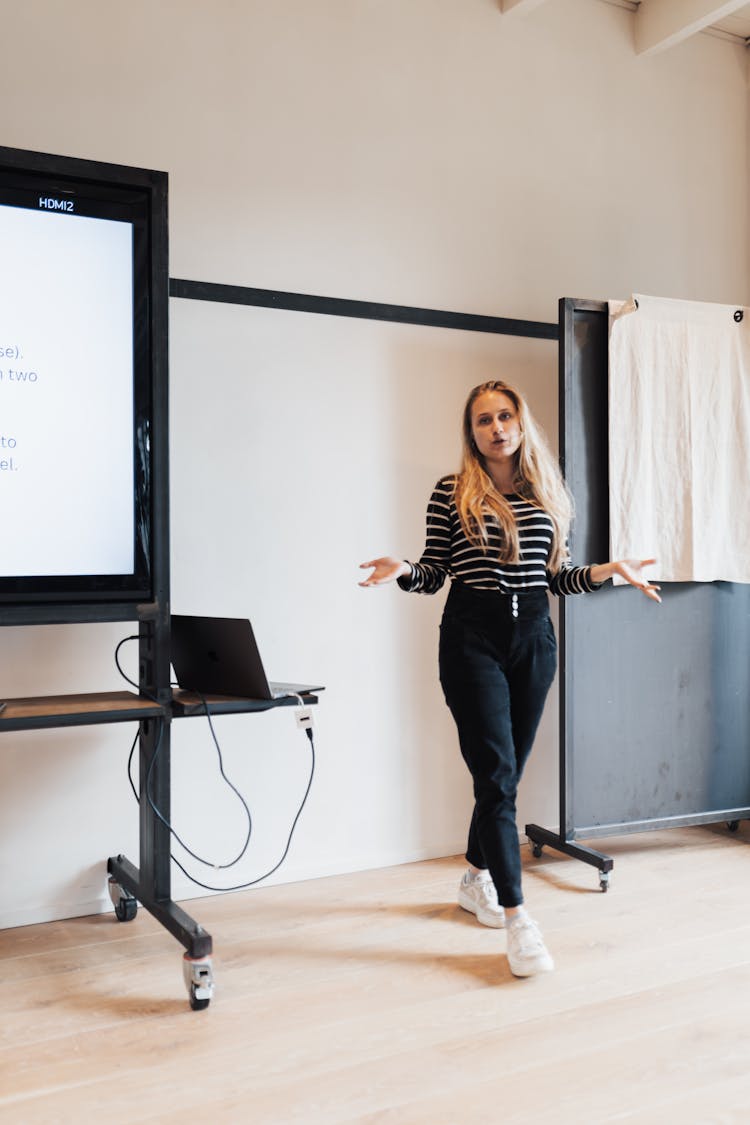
219	656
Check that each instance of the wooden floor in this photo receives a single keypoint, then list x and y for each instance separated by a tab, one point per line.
373	998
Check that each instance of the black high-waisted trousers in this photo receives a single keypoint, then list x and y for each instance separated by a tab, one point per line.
498	657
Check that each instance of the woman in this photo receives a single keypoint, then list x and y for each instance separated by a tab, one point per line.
499	528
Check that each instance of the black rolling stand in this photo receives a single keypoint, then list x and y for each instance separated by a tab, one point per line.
150	883
654	724
144	596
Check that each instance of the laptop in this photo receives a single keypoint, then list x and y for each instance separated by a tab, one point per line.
219	656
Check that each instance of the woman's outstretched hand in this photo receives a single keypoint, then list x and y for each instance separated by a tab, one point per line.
384	570
632	571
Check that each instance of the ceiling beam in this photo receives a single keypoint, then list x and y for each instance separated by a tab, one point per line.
519	6
663	23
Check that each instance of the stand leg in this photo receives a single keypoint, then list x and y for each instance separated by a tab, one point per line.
189	933
539	837
150	883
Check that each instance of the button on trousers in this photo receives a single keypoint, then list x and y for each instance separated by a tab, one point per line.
498	657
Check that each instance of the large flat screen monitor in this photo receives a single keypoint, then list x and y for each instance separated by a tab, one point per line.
76	383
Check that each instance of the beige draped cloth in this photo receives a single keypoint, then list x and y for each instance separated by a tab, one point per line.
679	437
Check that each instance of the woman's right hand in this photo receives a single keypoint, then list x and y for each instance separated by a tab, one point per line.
384	570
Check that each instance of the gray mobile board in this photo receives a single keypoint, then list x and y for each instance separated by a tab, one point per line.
654	699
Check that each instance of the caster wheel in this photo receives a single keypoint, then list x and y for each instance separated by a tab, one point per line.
126	909
199	980
604	881
536	850
733	825
197	1003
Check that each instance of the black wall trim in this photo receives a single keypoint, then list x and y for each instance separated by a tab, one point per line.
365	310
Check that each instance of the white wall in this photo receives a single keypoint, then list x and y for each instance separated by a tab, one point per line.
425	153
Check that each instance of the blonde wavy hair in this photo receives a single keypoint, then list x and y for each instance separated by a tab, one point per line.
537	478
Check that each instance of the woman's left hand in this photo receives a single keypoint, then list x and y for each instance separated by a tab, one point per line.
632	571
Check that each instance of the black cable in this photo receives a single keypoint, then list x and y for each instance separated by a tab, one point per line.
127	679
153	699
166	823
130	763
252	882
152	804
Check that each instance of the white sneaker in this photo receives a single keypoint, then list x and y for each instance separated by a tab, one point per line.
527	953
479	897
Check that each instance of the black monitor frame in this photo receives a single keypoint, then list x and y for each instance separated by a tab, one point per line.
140	195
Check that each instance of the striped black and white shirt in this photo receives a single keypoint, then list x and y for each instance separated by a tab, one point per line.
448	552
